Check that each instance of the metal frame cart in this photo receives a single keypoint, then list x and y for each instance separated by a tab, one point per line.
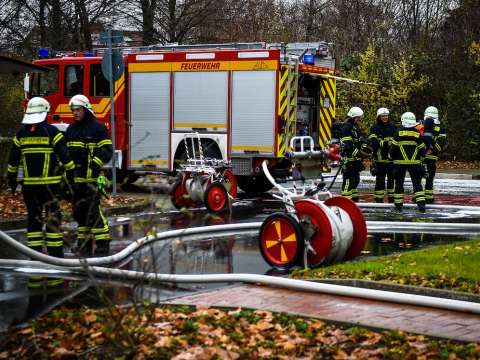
203	180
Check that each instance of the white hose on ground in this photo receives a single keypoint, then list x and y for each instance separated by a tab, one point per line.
300	285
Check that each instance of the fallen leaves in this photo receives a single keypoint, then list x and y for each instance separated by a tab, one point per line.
12	206
206	333
458	165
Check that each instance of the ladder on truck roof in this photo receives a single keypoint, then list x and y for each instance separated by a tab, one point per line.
177	47
322	49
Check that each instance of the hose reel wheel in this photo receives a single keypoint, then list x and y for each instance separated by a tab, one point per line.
179	196
215	197
281	241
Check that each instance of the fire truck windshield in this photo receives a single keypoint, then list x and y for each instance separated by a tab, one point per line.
44	84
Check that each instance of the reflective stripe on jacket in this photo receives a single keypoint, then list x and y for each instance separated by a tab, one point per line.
40	149
408	147
90	148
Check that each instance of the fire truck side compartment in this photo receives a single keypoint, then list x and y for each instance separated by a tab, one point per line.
200	100
253	112
150	119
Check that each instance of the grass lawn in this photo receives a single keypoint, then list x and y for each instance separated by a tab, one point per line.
452	267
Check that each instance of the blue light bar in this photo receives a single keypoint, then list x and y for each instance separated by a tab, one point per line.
309	59
90	53
44	53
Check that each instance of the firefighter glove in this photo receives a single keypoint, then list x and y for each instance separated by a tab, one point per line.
102	185
12	182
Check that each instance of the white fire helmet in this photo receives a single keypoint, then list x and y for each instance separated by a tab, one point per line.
37	110
432	112
81	100
382	111
355	112
408	120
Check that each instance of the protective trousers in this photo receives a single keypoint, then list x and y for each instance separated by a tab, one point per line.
384	170
91	221
430	176
42	207
351	179
415	172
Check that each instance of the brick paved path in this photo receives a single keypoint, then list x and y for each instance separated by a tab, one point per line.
416	319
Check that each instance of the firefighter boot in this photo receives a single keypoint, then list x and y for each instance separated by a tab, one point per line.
103	248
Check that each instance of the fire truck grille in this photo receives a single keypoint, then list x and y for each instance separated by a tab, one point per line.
241	166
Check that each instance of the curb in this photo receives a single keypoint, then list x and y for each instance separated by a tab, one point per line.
406	289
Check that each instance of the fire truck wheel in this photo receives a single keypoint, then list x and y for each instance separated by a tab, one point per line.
254	184
358	222
216	197
316	222
231	183
281	241
178	195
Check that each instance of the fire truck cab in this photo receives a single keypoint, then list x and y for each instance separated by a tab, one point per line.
245	102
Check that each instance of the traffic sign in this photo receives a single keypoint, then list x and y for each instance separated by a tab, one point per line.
117	65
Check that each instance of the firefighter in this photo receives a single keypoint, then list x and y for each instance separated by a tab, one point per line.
435	140
41	148
353	148
381	135
90	148
407	152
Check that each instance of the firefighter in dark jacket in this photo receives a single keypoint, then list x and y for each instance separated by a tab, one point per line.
435	140
381	135
41	149
407	152
90	148
353	149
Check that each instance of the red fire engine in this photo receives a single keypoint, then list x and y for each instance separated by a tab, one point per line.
245	102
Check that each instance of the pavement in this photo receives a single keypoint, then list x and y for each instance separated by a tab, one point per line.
345	310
